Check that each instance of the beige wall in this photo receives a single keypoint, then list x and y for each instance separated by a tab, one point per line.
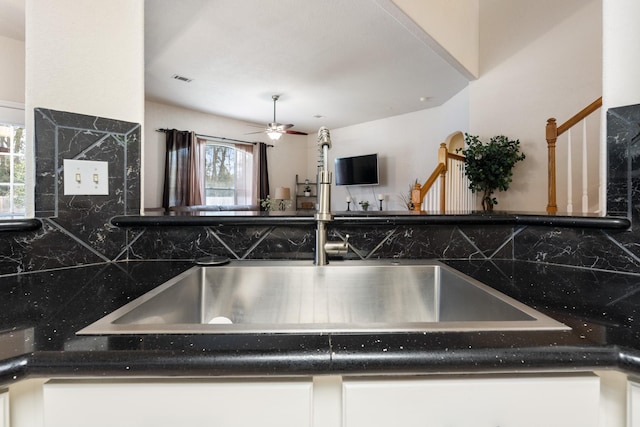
534	66
407	146
452	24
12	70
86	57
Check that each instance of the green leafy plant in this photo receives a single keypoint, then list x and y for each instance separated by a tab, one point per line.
489	166
364	204
270	204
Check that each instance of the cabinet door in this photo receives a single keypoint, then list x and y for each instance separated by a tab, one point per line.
472	401
633	404
4	408
177	403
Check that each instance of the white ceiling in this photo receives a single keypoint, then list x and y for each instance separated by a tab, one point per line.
348	61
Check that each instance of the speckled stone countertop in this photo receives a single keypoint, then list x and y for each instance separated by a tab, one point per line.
40	314
200	218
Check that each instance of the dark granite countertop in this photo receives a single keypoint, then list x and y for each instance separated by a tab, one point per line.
40	313
204	218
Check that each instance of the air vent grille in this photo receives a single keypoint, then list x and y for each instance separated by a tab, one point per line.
181	78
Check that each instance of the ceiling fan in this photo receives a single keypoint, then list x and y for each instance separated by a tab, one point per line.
274	129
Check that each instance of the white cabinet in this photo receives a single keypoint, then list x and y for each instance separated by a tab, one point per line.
4	408
263	403
477	401
633	404
431	400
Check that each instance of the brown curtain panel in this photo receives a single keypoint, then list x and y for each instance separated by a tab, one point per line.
263	179
182	182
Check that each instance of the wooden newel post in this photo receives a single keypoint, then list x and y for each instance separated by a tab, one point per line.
442	159
552	136
416	198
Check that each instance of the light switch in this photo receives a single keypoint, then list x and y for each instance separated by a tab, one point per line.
86	177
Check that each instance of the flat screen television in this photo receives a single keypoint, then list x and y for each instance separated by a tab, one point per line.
358	170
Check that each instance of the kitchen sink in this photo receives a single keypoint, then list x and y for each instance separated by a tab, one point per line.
344	297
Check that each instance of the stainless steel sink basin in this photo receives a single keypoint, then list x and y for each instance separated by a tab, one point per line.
297	297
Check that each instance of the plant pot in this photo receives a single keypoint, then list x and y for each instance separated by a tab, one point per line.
307	194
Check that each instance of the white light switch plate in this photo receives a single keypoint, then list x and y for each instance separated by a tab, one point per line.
86	177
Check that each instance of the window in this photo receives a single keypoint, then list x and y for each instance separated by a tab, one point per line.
229	174
12	170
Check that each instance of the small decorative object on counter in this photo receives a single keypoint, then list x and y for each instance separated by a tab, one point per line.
364	204
349	203
283	197
406	197
266	203
380	199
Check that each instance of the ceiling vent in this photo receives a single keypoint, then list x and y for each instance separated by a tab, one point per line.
181	78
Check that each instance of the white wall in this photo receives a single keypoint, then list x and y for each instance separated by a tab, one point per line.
621	86
12	70
407	146
86	58
12	81
452	24
286	158
538	59
621	38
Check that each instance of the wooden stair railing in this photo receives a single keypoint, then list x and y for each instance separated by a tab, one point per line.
447	160
553	131
420	191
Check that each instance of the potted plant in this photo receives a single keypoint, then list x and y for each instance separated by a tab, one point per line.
268	203
307	190
489	166
364	204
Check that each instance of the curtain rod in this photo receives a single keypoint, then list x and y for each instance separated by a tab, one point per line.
216	137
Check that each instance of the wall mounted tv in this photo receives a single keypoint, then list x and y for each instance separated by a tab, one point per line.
358	170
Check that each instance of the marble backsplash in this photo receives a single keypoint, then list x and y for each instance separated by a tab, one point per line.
76	229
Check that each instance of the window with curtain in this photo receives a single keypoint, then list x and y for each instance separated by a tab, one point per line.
229	176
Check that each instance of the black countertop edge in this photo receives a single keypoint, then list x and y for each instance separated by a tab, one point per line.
614	223
20	224
169	363
200	221
14	369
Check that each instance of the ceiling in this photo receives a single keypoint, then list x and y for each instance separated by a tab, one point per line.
348	62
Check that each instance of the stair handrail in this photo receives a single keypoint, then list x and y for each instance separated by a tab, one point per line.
440	171
553	131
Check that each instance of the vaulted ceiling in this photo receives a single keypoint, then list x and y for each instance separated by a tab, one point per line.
347	62
333	62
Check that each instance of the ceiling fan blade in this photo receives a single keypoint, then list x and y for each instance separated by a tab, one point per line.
285	127
295	132
251	133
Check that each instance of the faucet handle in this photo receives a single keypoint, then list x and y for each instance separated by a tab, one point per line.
337	248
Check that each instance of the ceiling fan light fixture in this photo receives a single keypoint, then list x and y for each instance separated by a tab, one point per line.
274	135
